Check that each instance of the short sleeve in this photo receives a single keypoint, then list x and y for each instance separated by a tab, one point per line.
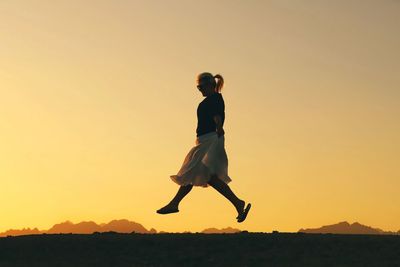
217	105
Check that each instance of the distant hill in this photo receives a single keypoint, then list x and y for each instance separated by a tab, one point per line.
346	228
121	226
126	226
24	231
89	227
85	227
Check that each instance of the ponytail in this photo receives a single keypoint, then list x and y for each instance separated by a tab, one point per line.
220	83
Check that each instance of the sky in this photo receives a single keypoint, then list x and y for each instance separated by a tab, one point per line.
98	107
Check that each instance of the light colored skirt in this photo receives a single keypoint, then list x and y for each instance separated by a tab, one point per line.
206	158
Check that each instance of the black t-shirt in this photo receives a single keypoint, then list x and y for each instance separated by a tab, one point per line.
212	105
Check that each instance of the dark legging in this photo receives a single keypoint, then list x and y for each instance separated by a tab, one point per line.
218	185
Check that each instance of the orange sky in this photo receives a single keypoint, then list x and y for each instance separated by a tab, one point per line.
98	107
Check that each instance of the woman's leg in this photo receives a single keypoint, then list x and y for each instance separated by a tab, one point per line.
226	191
172	206
182	192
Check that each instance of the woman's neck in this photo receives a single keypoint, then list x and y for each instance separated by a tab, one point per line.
211	93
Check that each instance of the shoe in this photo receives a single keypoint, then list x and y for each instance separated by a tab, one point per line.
241	208
243	215
167	210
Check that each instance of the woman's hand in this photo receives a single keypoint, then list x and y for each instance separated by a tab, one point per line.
220	132
218	123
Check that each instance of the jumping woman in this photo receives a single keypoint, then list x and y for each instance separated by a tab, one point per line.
207	162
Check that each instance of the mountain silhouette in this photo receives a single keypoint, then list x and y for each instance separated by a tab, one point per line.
24	231
346	228
85	227
126	226
89	227
69	227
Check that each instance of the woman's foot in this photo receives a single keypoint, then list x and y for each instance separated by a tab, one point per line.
170	208
243	216
240	207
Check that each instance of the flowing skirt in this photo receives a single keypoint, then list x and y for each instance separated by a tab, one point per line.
208	157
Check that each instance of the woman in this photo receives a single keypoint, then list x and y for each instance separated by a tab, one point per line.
207	162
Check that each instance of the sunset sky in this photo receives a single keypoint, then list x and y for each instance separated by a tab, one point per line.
98	108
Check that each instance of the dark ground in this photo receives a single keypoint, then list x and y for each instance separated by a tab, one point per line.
241	249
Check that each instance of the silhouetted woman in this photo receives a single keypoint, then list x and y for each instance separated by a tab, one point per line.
207	162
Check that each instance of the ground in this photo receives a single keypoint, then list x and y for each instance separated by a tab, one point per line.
240	249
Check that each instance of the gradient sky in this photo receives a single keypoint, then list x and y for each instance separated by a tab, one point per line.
98	107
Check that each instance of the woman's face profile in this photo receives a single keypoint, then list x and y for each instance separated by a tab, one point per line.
205	87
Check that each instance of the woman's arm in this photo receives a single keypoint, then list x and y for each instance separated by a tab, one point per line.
218	122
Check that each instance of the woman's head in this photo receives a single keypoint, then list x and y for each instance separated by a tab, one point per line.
207	84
